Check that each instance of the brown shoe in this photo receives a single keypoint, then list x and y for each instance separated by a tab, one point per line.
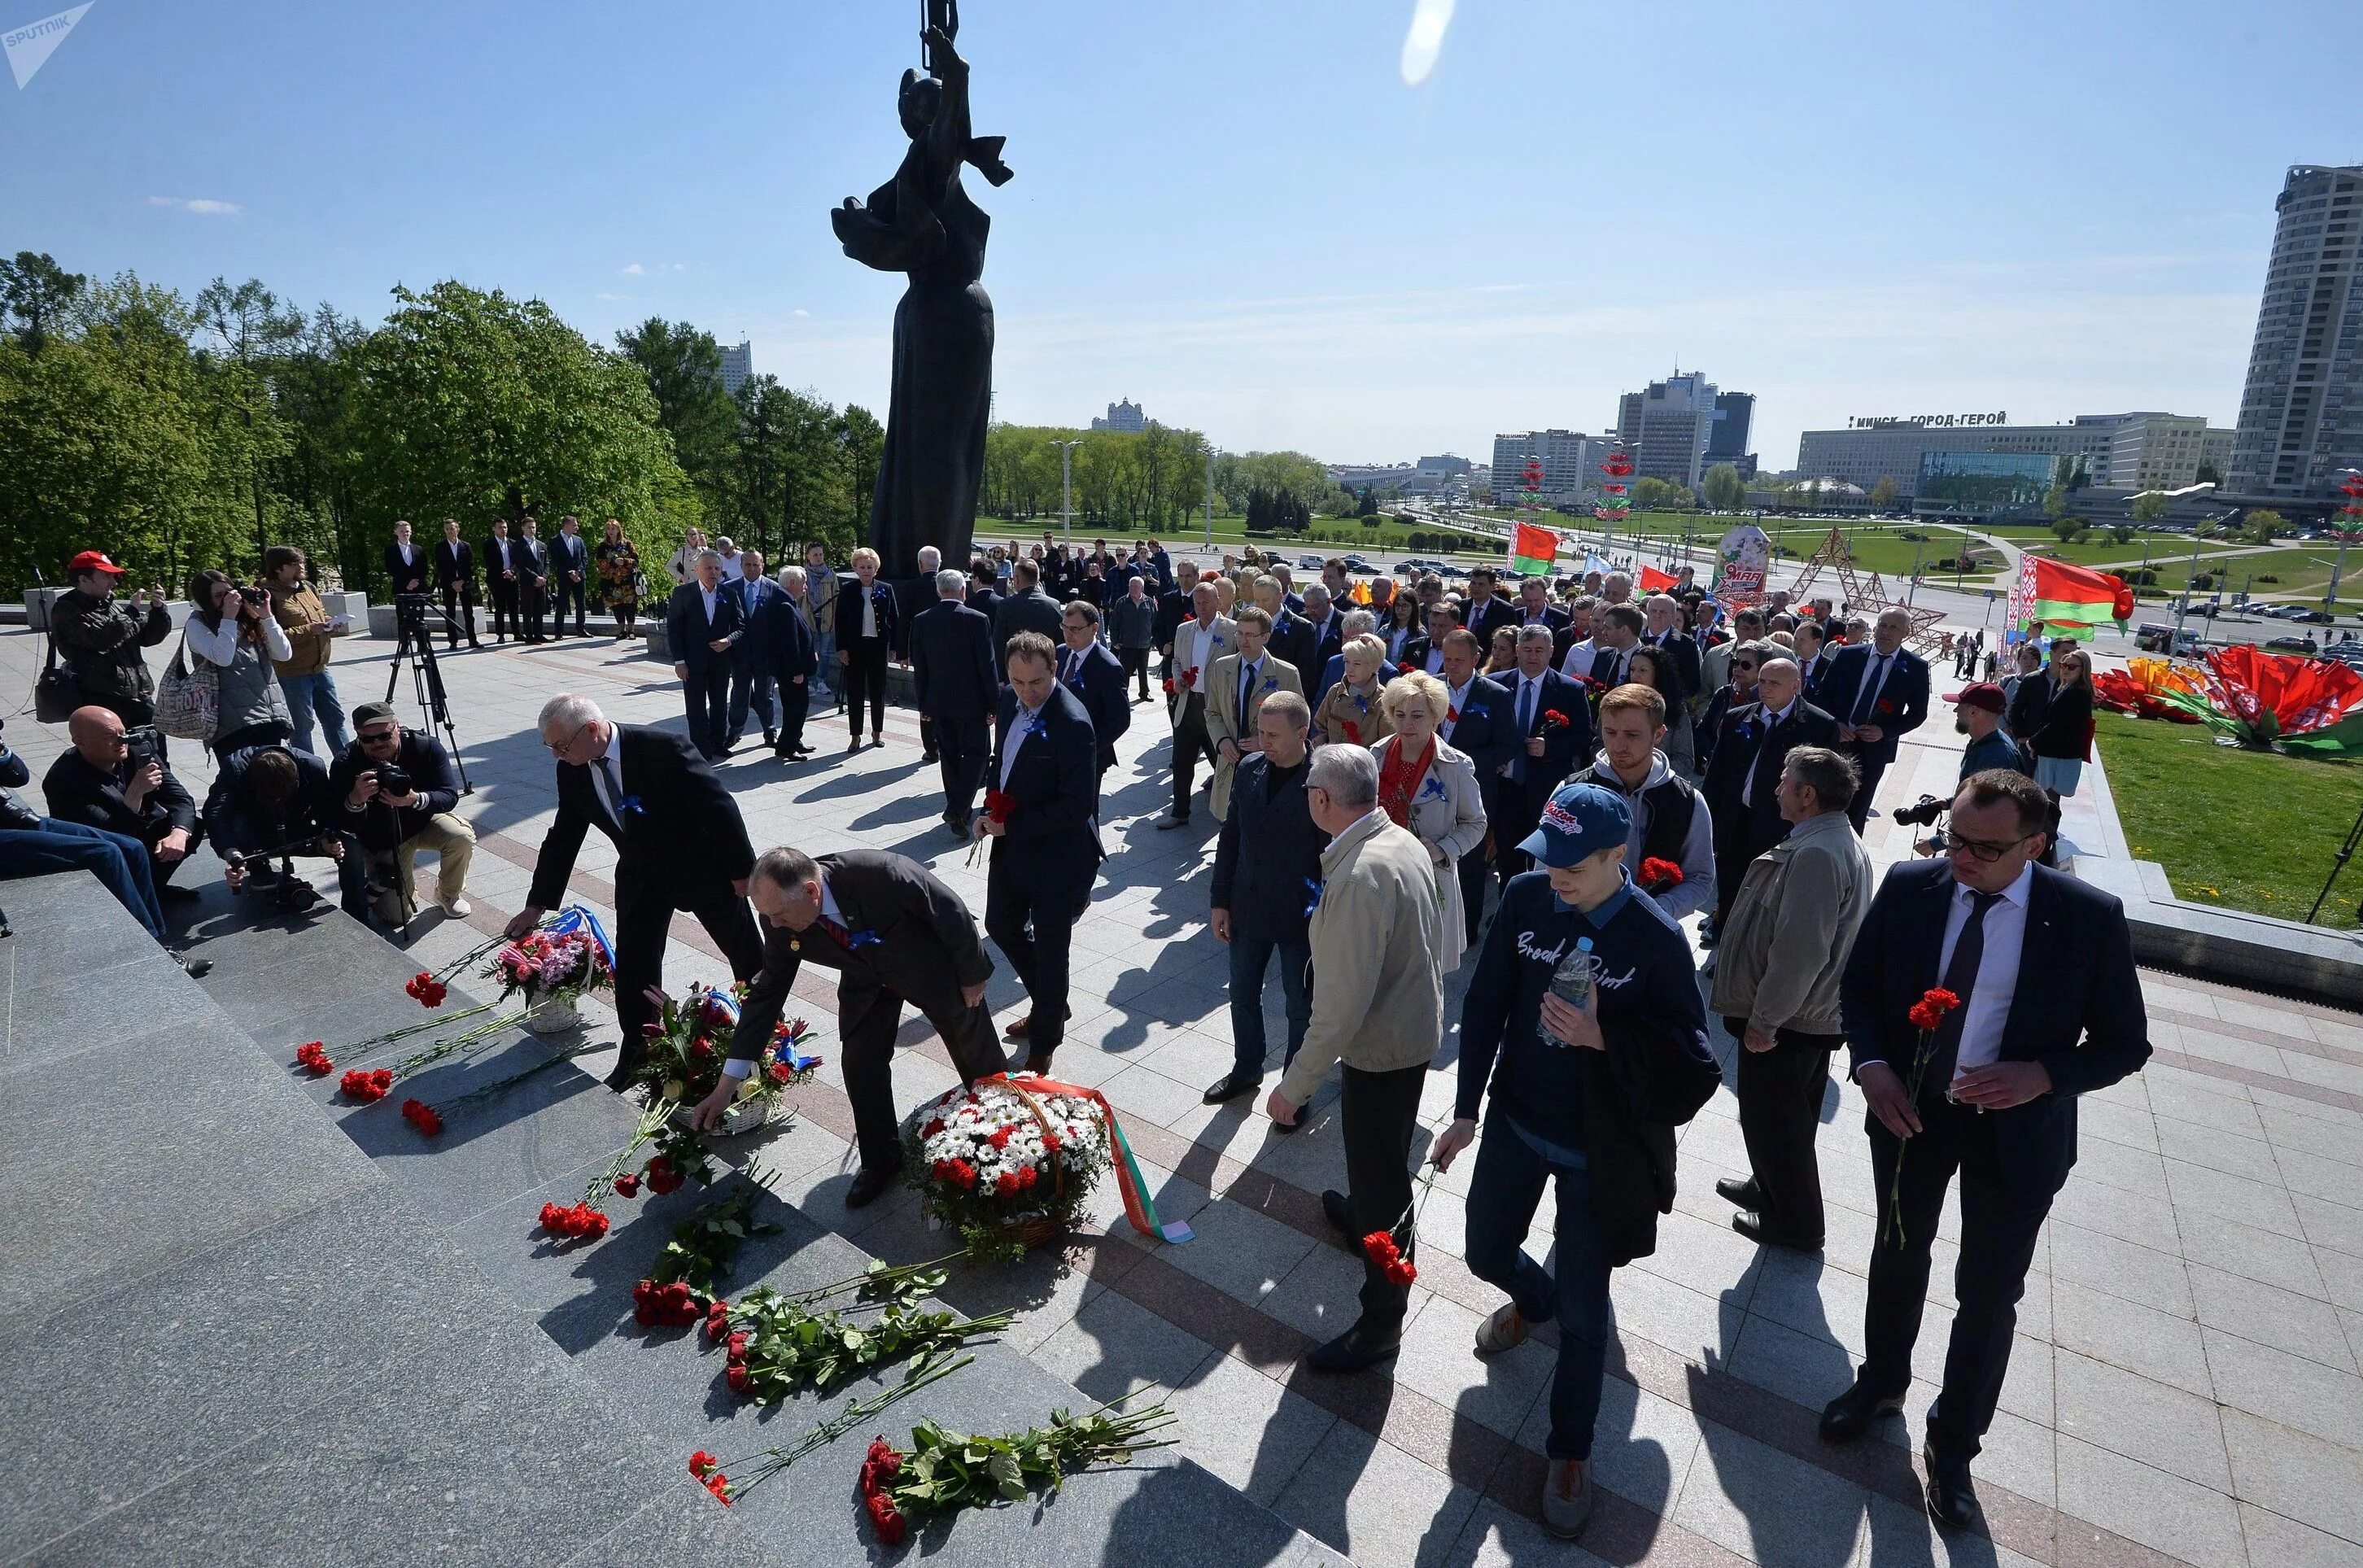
1567	1498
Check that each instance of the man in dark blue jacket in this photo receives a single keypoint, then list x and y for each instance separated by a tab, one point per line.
2049	1008
1088	668
1267	869
784	649
953	679
1584	1095
1550	733
752	685
702	624
1877	694
1478	721
1046	763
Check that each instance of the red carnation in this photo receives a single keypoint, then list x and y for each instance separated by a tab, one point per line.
1169	685
935	1125
1657	874
366	1086
1928	1013
1001	1136
1028	1176
702	1464
883	1518
1452	714
1406	667
700	1046
1005	1183
420	1114
313	1059
779	1073
1554	720
999	804
627	1185
1380	1247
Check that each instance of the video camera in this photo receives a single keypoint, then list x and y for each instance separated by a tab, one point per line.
143	745
1924	812
292	891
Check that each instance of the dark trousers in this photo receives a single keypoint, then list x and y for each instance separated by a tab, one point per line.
865	675
1999	1228
1378	1112
1473	872
869	1020
1191	743
120	863
1034	926
963	749
643	924
751	688
1504	1191
1514	810
460	610
1250	956
1859	810
1136	665
506	622
1780	1095
533	603
795	701
707	695
575	594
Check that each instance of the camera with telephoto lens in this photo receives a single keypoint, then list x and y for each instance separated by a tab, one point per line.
254	596
393	779
1924	812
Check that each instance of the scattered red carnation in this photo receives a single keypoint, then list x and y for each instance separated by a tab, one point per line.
312	1057
421	1114
573	1221
428	991
1928	1012
359	1084
708	1471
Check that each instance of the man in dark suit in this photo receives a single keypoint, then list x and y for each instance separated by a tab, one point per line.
781	645
500	582
1025	607
455	578
1877	694
952	669
753	687
1174	605
1742	780
1091	670
405	563
1677	650
569	575
530	559
702	624
1546	749
1534	609
1487	609
923	596
1267	865
1325	618
1045	762
1426	652
983	588
2050	1008
1478	721
895	934
679	846
1807	641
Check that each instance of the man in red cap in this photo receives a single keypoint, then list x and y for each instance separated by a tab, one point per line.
99	637
1977	713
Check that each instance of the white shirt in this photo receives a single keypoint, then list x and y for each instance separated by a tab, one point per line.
1986	1009
1881	666
221	647
1028	723
712	597
869	612
1454	696
407	557
730	564
1196	647
614	755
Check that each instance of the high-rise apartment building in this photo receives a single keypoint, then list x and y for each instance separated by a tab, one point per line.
1570	463
1666	427
2166	451
1124	416
2302	411
737	365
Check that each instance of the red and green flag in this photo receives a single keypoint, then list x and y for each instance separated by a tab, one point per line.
1533	550
2054	598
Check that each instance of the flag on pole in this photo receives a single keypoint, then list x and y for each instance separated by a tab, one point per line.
2062	600
1656	581
1533	550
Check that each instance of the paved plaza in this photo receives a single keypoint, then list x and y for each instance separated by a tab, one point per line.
2185	1384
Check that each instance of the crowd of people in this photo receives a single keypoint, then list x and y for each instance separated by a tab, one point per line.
1538	779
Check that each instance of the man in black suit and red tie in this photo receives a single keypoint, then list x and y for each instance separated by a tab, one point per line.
455	577
1047	851
1544	748
895	934
2049	1008
680	845
1877	694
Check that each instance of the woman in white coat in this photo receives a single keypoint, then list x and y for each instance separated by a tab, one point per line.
1427	786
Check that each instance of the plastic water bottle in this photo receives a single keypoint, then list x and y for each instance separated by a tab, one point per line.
1572	983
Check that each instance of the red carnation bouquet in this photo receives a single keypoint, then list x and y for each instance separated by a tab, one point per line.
946	1470
1554	720
998	805
1657	874
1928	1016
995	1156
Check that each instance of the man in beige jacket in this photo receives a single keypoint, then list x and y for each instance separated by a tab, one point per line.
1377	1005
1776	983
1235	692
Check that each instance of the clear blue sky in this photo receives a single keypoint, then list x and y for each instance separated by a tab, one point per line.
1239	213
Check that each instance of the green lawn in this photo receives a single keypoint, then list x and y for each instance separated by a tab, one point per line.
2303	571
2164	551
2249	831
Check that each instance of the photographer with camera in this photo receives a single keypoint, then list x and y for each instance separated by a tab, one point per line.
270	801
400	796
100	638
304	678
115	779
232	629
1977	713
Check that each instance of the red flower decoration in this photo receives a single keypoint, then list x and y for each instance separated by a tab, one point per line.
1169	687
365	1087
1406	667
1353	732
1452	714
1657	874
421	1114
313	1059
1380	1248
1928	1013
662	1178
883	1520
573	1221
427	990
999	804
627	1185
1554	720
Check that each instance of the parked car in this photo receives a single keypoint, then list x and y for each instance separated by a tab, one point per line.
2315	617
2291	642
2153	637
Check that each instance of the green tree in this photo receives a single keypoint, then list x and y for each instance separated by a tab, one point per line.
36	294
2124	533
2149	506
2066	528
1883	493
1724	489
246	334
2207	475
1651	493
2261	524
683	367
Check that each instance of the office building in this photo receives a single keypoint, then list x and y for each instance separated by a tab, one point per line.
1871	448
1666	427
1983	486
737	365
1124	416
2302	411
2167	451
1727	442
1570	464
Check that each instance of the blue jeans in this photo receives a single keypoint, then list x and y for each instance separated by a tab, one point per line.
119	862
826	675
312	694
1502	1193
1250	956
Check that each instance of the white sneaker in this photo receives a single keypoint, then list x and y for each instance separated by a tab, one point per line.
459	908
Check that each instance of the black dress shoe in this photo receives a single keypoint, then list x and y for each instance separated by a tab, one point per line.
1340	1213
1038	1063
1232	1086
195	968
1849	1416
1356	1349
1750	1224
872	1181
167	893
1745	1193
1952	1502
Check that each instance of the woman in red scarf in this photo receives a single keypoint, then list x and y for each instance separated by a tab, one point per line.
1427	786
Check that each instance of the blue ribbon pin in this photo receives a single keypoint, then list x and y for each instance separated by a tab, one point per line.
1314	885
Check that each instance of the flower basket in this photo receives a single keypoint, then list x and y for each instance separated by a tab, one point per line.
1008	1157
554	1015
692	1039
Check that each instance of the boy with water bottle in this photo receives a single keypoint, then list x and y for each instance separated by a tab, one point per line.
1586	994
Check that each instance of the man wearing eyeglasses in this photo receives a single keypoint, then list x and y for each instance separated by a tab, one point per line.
400	796
2050	1009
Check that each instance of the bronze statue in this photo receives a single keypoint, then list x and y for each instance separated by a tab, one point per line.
923	223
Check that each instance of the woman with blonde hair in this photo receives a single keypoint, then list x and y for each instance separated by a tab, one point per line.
1354	711
2061	737
1430	788
866	633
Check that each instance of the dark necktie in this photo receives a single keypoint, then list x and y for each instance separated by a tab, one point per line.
1246	684
1526	690
1960	979
614	790
835	930
1603	665
1871	675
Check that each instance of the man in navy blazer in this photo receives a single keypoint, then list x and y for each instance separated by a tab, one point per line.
702	624
1543	750
2050	1008
952	672
1478	721
1742	777
1045	762
1090	670
784	651
1877	694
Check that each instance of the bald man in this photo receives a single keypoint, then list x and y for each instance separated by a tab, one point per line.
117	780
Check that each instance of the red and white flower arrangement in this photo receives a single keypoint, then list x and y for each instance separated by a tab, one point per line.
996	1155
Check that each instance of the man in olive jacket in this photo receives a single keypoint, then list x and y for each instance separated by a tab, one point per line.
1377	1005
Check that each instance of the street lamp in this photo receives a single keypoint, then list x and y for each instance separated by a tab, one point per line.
1066	489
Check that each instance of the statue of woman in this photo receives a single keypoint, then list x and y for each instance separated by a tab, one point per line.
923	223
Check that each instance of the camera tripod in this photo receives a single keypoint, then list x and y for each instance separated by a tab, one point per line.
2338	863
415	643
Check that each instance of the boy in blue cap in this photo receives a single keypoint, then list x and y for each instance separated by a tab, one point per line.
1597	1112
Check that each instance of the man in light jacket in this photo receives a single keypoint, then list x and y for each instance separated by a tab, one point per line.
1776	983
1377	1005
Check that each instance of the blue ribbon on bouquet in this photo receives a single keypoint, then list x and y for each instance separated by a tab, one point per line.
573	919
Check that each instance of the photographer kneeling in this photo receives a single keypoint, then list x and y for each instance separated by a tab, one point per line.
270	800
398	791
116	779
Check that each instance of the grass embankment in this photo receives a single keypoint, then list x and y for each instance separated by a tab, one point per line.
2251	830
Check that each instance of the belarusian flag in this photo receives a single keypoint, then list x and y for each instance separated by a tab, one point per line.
2061	600
1533	550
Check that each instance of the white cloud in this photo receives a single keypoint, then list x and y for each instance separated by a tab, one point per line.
634	271
611	296
203	207
800	315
